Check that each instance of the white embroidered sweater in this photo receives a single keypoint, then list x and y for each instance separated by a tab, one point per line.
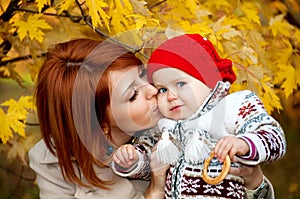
239	114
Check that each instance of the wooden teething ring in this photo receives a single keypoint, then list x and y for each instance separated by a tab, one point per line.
219	178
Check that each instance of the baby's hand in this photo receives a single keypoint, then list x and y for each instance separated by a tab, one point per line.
125	156
232	146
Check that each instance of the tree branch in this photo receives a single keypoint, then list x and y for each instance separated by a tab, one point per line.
18	176
157	4
3	63
73	18
89	23
9	12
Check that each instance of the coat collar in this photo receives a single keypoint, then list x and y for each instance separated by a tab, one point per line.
48	157
217	94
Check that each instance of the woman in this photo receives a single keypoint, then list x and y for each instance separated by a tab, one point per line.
91	99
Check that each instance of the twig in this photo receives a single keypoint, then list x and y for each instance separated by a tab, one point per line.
73	18
88	22
240	66
3	63
12	173
157	4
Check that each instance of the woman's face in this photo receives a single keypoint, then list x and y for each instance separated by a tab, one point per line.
133	104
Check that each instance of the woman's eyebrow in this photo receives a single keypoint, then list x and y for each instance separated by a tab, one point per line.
128	88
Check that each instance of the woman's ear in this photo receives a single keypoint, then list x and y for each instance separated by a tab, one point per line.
106	130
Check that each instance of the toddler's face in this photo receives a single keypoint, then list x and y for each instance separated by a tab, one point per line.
179	94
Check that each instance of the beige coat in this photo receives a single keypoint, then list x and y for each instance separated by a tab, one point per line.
52	184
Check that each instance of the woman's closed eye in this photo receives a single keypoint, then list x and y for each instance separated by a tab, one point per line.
135	94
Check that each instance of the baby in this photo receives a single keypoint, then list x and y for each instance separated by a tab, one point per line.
200	116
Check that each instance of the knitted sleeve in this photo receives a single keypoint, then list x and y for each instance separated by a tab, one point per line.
143	143
260	130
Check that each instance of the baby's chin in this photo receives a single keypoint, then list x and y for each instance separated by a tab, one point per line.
179	116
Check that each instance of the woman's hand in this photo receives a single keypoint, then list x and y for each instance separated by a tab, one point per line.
252	175
158	178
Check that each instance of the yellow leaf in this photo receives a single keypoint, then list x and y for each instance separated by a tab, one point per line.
269	97
16	124
41	3
233	21
4	5
170	33
179	11
19	107
16	116
216	5
127	5
140	7
5	71
191	5
278	25
200	13
237	86
247	24
16	150
140	21
279	6
231	32
33	26
64	5
97	13
297	68
116	21
297	35
5	131
282	56
251	11
248	54
289	83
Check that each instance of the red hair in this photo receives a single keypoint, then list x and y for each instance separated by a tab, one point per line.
73	96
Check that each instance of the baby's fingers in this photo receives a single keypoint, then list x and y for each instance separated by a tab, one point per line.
118	158
132	154
222	149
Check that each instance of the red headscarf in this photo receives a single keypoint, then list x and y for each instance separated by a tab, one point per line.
194	55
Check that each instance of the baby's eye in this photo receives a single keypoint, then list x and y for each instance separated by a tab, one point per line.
180	84
162	90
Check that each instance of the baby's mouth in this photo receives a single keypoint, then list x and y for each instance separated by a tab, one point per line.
175	107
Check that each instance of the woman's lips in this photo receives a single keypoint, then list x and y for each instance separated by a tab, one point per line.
155	109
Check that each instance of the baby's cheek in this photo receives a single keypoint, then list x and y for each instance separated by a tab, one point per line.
162	106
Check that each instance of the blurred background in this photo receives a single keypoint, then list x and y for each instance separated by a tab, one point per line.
262	37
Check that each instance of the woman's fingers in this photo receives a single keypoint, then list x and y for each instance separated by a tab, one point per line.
157	166
252	175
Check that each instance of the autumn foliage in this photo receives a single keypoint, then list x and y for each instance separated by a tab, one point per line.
257	35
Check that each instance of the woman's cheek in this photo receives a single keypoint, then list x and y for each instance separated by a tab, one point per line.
140	114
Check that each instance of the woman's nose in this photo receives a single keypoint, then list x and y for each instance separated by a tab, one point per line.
171	95
150	91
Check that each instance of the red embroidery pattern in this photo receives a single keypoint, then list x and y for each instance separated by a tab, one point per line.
246	110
